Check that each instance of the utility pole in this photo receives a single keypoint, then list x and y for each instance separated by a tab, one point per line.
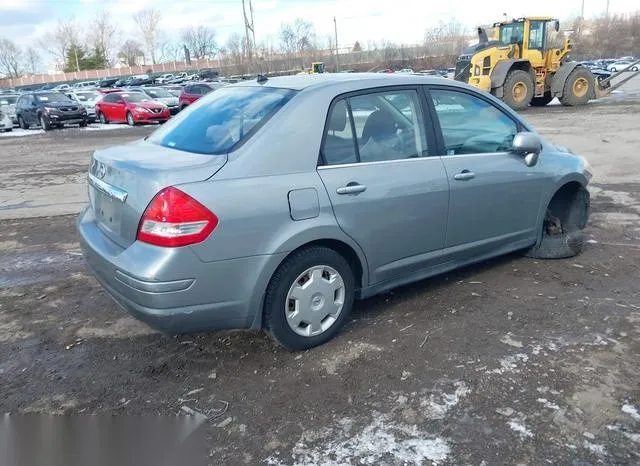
582	11
607	9
335	25
75	49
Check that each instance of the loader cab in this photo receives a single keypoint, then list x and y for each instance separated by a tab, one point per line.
317	67
528	38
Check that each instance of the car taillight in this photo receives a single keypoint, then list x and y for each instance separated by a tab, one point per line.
173	218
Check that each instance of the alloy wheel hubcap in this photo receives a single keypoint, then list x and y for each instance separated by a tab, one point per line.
315	300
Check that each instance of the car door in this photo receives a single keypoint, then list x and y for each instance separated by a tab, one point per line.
388	192
31	111
119	108
495	197
106	107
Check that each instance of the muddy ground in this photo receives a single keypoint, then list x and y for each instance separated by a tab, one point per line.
513	361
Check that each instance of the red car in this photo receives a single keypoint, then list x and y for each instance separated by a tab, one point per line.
130	107
192	92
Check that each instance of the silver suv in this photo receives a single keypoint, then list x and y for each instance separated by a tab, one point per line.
276	203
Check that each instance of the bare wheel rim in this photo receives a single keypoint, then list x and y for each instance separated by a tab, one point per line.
315	300
519	91
580	87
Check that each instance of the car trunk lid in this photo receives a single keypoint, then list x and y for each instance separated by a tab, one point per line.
124	179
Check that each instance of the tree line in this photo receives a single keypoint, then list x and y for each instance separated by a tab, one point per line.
98	44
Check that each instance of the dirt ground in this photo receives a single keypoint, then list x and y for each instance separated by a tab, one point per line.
513	361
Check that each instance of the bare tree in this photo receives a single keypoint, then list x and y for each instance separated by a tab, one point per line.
171	51
58	41
32	60
298	38
201	41
130	52
148	21
103	35
10	58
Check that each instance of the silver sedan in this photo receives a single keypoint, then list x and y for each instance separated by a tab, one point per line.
274	204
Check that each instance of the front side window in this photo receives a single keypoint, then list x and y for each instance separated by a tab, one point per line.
216	124
512	33
388	126
470	125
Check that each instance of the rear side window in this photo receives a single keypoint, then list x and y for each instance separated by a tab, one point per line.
223	120
388	125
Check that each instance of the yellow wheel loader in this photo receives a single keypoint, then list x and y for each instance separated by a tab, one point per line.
519	67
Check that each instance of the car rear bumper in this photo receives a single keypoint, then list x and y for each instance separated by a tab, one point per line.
171	289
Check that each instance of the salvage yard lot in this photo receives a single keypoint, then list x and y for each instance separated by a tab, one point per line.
513	361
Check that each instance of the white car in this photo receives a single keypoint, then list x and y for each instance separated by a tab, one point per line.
406	70
6	123
164	78
86	98
85	84
623	65
62	87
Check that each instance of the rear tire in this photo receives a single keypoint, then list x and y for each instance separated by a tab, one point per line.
102	118
22	124
83	124
333	280
542	101
130	120
578	88
518	89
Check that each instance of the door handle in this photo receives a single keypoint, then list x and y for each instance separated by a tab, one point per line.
352	188
464	175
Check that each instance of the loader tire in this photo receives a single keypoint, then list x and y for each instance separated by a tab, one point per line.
578	88
542	101
518	89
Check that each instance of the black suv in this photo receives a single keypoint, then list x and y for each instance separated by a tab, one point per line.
48	109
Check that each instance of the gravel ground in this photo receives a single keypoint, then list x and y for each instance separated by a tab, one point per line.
513	361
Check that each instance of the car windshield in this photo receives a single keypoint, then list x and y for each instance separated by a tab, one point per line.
217	123
135	97
51	97
158	93
85	96
8	99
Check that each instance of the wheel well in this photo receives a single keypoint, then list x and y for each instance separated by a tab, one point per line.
570	206
521	65
344	250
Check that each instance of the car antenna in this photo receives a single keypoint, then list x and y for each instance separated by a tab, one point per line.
262	79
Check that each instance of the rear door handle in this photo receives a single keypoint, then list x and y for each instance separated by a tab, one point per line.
464	175
352	188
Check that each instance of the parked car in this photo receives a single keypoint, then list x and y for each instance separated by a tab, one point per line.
163	78
386	70
405	70
267	205
8	101
207	74
88	99
604	63
192	92
108	90
107	82
131	108
6	123
85	85
623	65
160	95
174	89
49	109
62	87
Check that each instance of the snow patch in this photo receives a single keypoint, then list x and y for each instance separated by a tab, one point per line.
631	411
547	404
519	427
595	448
18	133
374	444
438	408
510	363
507	340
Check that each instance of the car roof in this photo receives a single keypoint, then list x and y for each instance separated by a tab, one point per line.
300	82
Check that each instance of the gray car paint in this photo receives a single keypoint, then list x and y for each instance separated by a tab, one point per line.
413	221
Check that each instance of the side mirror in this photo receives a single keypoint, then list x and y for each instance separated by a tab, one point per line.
556	26
528	145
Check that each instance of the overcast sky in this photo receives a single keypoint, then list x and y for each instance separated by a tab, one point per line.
401	21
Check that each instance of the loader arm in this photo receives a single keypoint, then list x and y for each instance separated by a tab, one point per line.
606	87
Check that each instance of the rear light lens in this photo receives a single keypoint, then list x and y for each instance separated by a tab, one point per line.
173	218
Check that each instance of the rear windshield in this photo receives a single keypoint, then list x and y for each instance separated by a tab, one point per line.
220	121
8	99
